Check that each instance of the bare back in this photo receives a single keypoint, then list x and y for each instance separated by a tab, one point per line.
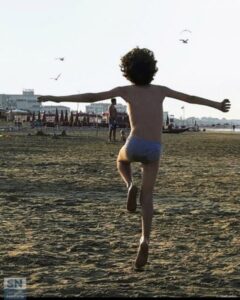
145	106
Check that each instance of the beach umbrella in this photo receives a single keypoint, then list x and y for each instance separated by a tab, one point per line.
84	120
56	117
66	118
61	117
44	117
167	121
76	119
71	119
33	116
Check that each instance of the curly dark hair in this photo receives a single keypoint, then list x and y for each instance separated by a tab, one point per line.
139	66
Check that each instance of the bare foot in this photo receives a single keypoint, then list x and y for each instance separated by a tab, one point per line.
142	255
132	198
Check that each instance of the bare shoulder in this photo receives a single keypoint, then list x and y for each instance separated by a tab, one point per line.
160	88
125	88
125	91
158	91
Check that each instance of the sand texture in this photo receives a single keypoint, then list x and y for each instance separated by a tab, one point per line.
64	224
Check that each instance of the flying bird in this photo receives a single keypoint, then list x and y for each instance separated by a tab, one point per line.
57	77
60	58
184	41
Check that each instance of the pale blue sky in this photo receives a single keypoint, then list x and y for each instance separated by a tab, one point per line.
93	34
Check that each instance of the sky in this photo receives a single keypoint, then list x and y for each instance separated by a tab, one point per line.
93	35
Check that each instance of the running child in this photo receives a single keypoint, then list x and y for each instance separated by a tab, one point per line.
144	143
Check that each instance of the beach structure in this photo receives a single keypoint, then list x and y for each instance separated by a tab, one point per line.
100	108
51	109
175	130
18	115
3	113
25	101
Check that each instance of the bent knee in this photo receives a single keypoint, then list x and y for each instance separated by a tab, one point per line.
122	156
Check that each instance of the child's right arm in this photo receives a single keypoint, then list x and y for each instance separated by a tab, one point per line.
223	106
86	97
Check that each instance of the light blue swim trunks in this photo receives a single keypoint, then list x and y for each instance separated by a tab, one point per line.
141	150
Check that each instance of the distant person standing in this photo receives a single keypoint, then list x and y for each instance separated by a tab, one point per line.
233	127
112	120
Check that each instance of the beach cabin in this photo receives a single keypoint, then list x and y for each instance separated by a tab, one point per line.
18	116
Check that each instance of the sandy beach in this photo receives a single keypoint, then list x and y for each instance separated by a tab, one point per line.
64	224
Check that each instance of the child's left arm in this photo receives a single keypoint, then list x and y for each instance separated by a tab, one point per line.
223	106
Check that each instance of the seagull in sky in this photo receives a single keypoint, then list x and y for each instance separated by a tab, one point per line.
60	58
57	77
184	41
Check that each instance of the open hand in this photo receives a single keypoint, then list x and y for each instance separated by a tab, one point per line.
225	105
47	98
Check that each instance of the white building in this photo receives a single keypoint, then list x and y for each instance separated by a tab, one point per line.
25	101
51	109
3	101
100	108
121	108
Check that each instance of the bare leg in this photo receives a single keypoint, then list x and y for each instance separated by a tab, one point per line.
124	168
110	135
125	171
149	177
114	135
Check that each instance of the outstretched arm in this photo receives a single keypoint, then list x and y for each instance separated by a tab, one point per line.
223	106
87	97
